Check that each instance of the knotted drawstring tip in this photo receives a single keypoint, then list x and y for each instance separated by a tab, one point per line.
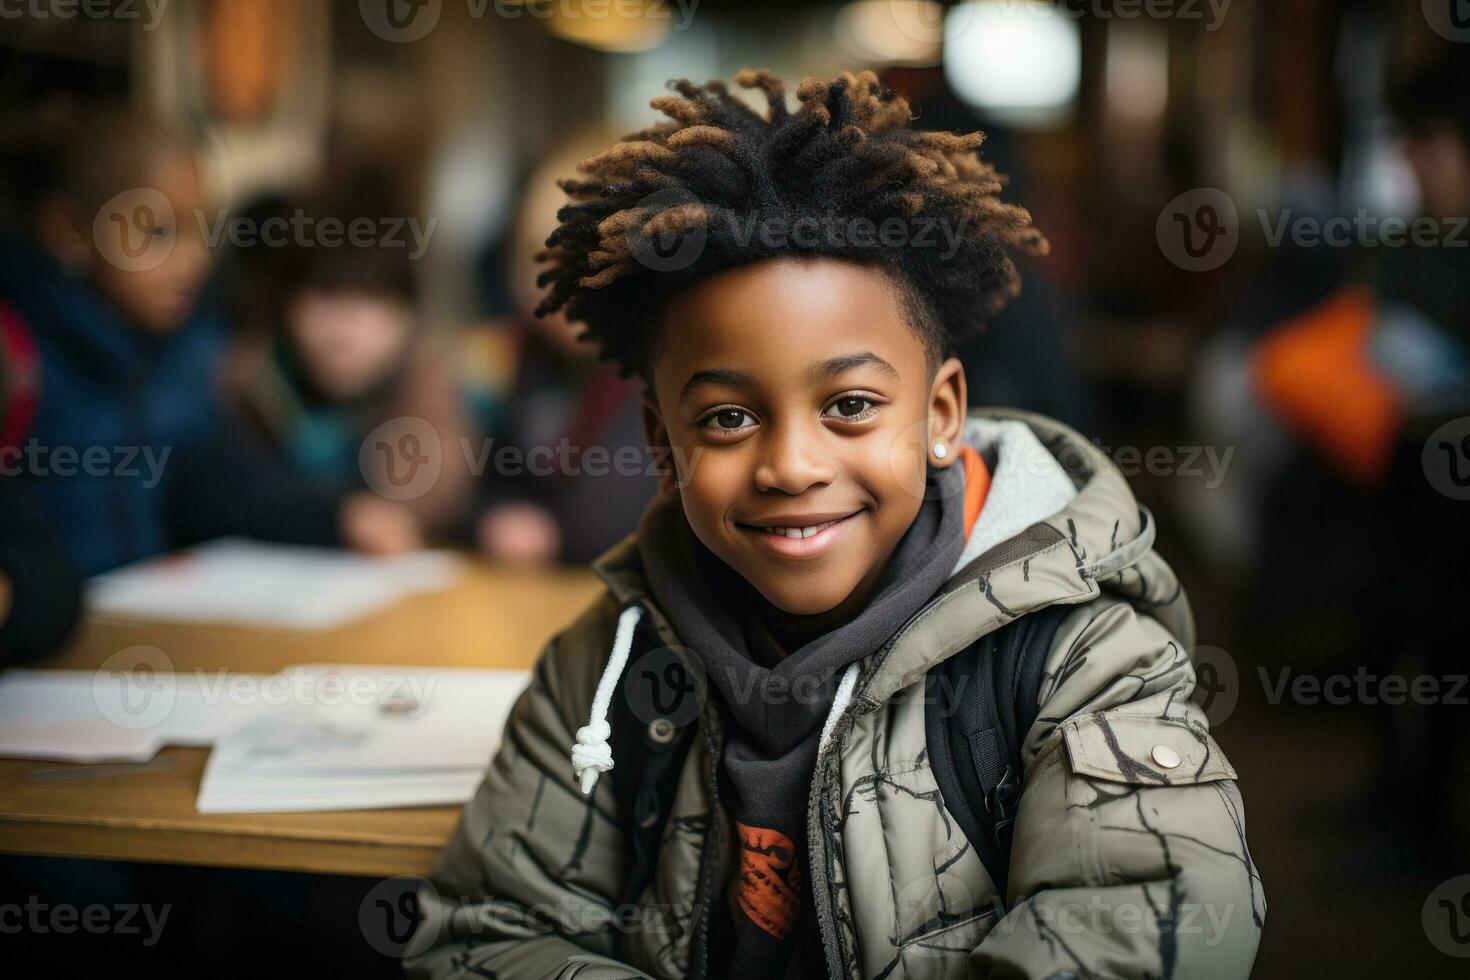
592	754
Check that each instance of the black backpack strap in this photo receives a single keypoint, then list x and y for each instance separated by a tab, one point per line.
648	752
979	705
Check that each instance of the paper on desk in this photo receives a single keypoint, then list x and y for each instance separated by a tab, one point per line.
112	716
364	738
376	792
251	583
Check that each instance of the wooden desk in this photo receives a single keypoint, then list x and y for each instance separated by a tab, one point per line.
490	619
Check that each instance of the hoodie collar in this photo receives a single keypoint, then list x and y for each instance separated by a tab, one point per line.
1028	484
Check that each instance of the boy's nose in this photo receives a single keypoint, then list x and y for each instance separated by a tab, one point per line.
793	460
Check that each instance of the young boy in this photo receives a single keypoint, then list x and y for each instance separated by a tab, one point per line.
836	530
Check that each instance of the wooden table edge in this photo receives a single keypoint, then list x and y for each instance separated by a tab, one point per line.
471	618
46	836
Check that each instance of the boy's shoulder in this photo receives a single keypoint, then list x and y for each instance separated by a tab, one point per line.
587	640
621	568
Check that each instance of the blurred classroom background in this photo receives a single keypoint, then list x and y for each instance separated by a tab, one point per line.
1257	301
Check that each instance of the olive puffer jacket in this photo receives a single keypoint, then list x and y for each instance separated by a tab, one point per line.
1128	856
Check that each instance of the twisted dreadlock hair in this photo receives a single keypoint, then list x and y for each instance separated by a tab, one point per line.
692	196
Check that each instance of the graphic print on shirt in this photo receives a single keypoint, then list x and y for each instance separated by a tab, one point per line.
770	879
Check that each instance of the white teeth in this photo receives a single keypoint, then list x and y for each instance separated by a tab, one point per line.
797	533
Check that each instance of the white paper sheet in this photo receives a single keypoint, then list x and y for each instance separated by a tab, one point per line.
314	737
364	738
110	716
294	795
251	583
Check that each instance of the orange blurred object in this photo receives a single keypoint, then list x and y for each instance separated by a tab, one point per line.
1315	374
245	55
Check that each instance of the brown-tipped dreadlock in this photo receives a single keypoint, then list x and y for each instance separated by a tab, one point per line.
705	191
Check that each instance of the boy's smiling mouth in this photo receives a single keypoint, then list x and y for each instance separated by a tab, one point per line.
800	535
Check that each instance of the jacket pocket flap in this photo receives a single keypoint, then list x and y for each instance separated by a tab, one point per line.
1143	750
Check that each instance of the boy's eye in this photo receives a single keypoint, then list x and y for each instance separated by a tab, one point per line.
850	407
729	419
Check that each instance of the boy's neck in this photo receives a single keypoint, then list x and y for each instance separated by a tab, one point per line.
793	631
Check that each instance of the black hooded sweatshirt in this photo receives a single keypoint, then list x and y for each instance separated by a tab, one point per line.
774	704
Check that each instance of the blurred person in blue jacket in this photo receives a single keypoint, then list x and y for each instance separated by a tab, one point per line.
128	451
40	589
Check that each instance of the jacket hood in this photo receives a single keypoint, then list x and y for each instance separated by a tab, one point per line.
1059	526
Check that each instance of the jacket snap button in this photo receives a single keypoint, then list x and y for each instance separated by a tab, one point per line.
661	730
1166	757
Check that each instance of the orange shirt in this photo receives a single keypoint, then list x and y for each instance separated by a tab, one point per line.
977	486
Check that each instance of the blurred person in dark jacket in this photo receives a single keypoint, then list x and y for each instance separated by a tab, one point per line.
1428	513
1392	344
568	473
1372	386
40	590
129	451
341	371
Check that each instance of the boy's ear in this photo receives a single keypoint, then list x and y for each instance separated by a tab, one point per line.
948	401
658	444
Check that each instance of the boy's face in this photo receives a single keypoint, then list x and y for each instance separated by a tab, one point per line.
348	341
797	394
161	296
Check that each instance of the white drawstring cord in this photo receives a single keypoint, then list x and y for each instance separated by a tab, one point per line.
839	705
592	755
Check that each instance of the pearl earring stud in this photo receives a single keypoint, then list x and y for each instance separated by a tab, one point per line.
940	450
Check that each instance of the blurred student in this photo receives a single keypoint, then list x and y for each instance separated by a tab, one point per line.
1428	356
342	382
1362	381
572	476
1394	344
128	450
40	590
